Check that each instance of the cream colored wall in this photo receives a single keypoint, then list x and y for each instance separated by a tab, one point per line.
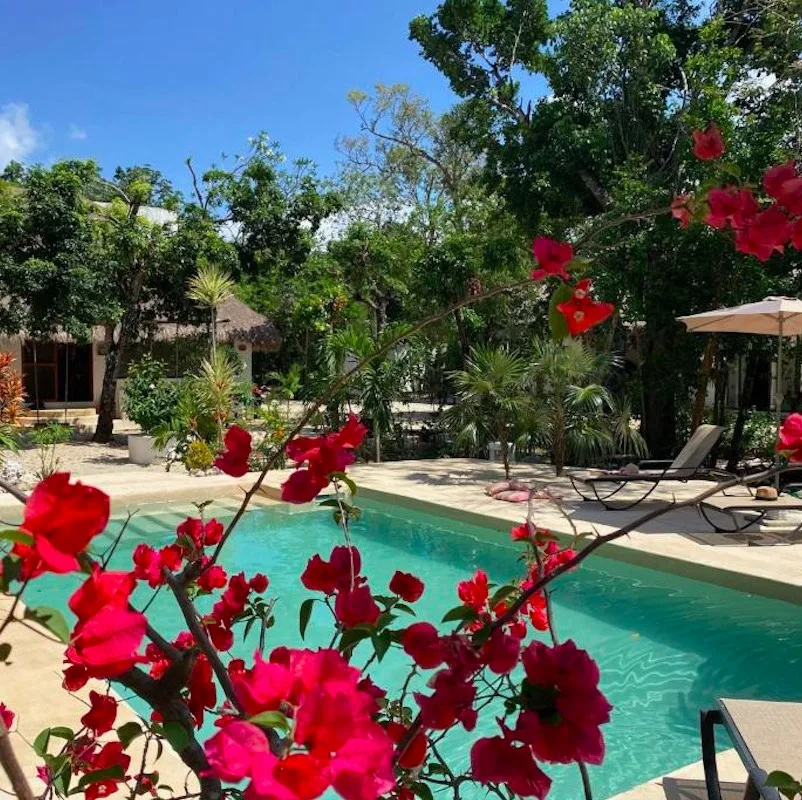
13	345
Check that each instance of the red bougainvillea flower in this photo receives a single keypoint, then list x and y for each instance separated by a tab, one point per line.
679	210
796	234
259	583
563	707
421	642
415	752
105	641
581	312
339	572
62	518
322	455
7	716
407	586
523	533
789	438
102	713
474	592
551	257
202	689
212	578
356	607
768	232
498	760
500	652
554	556
775	178
233	460
110	755
708	144
732	205
345	748
450	703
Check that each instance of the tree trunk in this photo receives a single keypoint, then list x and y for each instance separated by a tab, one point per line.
505	455
705	370
213	332
115	351
659	384
743	400
377	436
558	443
462	334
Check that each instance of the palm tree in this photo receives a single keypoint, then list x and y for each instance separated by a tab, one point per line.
288	383
583	421
492	403
210	287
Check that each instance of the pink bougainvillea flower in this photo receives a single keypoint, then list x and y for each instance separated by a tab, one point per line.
62	518
679	210
789	438
339	572
708	144
322	455
233	751
551	257
563	707
106	643
102	713
498	760
474	592
236	453
407	586
356	607
7	716
581	312
421	642
451	702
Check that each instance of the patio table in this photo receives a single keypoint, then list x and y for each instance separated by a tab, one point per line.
765	734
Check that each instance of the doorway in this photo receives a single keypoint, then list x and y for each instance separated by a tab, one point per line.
57	372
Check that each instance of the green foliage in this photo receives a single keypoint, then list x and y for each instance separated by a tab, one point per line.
149	397
46	439
491	401
199	456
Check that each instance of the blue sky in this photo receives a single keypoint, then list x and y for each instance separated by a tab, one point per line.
155	82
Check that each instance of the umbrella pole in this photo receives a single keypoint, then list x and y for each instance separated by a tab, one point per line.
777	395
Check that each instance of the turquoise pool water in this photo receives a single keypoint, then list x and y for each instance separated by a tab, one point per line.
665	645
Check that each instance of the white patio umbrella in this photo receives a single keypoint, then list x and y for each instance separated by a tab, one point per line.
772	316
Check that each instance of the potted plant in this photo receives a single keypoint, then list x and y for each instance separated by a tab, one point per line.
150	400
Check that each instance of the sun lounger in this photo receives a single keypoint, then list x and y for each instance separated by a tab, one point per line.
688	465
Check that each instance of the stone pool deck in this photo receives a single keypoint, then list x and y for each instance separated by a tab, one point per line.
680	542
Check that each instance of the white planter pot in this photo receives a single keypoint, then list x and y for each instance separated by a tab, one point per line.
142	449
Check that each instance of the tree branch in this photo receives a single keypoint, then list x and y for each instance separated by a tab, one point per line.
12	768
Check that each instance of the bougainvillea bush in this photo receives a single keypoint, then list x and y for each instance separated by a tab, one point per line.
294	723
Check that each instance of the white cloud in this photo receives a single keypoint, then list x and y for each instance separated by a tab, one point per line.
77	133
18	138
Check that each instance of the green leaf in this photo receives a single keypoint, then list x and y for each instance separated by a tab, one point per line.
50	618
248	626
16	536
5	651
385	618
405	608
271	719
784	783
346	480
40	742
305	615
381	643
502	593
481	636
352	637
460	614
422	791
128	732
114	772
62	732
176	735
557	324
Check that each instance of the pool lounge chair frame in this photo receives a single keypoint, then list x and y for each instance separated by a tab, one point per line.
688	465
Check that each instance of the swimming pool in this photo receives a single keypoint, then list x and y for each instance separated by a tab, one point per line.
665	645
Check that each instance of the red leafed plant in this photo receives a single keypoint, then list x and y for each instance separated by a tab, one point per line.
11	391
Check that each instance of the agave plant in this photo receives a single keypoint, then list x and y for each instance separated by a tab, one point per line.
492	402
210	287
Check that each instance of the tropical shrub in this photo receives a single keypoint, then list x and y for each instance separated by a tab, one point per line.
12	395
47	438
149	397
